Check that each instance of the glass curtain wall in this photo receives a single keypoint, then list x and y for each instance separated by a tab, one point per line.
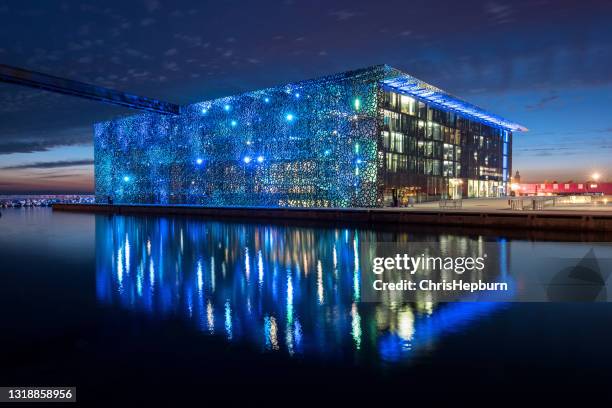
432	154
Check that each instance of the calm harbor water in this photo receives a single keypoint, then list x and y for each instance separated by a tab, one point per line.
94	299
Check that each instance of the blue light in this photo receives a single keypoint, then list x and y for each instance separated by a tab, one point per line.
408	85
199	161
126	178
359	161
271	131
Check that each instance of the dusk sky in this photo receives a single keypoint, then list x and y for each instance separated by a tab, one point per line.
544	64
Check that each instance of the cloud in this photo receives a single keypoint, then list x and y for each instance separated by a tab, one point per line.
190	40
547	100
136	53
152	5
50	165
343	15
147	22
171	66
60	176
534	149
24	147
499	13
574	147
44	140
547	151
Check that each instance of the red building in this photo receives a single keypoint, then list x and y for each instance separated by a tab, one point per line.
590	187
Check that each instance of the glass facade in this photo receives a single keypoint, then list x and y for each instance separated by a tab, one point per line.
345	140
433	154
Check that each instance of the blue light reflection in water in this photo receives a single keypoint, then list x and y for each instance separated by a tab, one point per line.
294	290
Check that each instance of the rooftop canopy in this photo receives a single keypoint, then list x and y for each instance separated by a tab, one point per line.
408	85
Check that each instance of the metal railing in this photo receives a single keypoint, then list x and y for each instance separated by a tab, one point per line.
455	203
531	203
541	202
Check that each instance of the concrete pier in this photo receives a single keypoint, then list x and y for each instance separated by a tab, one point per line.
582	221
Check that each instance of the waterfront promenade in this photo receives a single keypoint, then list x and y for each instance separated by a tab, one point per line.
473	214
503	204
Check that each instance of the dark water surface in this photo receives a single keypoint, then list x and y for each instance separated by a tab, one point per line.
154	309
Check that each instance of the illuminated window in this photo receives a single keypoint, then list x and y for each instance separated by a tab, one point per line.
391	119
408	105
449	152
449	169
385	140
397	142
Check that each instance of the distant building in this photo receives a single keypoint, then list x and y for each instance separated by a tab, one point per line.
364	138
590	187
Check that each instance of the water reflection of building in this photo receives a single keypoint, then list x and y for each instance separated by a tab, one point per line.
289	289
